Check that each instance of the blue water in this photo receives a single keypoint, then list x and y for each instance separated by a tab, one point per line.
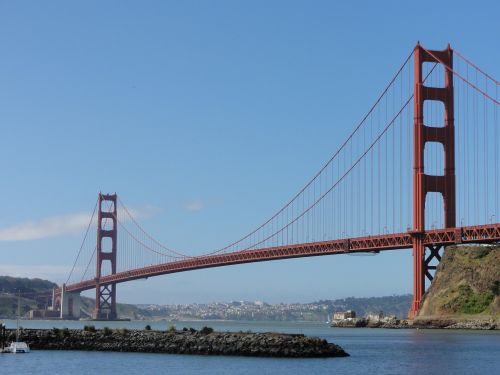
373	351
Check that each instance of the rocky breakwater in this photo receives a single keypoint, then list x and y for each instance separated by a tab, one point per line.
182	342
387	322
455	323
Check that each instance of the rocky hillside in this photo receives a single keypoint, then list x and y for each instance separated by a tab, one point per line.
466	285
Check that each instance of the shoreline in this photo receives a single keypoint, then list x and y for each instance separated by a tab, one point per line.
421	323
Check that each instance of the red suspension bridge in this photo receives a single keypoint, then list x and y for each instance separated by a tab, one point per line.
424	157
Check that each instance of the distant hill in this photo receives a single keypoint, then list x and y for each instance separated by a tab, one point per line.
389	305
319	311
24	285
37	294
466	285
123	310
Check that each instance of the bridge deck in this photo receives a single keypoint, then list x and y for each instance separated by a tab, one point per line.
474	234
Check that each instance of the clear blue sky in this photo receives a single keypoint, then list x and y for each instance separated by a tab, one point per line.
213	113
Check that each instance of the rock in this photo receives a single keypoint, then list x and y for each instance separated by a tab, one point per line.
451	323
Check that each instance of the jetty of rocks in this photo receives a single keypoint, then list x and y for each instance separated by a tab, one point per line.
181	342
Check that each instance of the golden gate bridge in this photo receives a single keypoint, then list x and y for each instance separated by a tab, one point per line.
421	170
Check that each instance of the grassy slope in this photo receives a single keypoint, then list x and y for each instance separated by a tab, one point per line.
466	285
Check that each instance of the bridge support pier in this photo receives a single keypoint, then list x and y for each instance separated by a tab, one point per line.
422	182
422	267
105	299
71	304
433	255
418	275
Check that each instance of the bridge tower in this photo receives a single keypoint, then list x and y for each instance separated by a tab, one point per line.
105	299
424	183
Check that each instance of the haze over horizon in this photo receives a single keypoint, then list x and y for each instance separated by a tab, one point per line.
205	118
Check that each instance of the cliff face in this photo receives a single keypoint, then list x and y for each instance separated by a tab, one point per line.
466	285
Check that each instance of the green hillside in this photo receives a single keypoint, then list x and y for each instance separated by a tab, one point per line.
24	285
37	294
466	285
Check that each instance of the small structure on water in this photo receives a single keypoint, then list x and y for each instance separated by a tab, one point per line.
16	346
343	315
375	317
344	319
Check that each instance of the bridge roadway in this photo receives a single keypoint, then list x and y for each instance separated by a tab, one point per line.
463	235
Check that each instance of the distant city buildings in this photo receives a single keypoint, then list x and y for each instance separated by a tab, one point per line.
240	310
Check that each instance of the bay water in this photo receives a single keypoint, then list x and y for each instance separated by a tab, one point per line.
372	350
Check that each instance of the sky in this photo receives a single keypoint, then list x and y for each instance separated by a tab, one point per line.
205	117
